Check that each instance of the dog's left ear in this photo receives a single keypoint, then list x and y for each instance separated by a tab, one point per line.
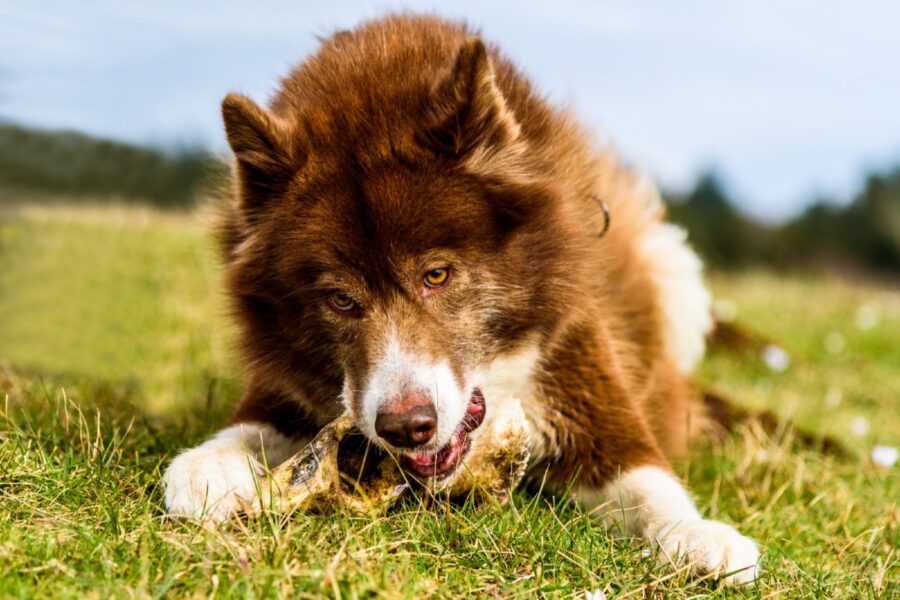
468	110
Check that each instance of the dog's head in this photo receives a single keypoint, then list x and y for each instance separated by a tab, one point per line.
409	241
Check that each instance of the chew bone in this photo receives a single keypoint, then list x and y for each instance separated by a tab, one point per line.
339	469
498	459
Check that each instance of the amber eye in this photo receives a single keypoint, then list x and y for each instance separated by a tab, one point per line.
341	302
437	277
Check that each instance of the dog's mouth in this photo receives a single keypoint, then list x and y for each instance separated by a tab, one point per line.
444	461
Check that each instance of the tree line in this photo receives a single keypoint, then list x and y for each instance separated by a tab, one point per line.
860	234
78	166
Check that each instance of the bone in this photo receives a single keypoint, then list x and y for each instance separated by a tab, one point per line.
497	460
340	470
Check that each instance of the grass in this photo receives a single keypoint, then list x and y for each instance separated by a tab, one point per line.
114	354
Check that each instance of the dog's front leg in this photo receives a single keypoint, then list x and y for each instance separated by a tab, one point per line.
588	429
218	478
644	499
628	486
649	502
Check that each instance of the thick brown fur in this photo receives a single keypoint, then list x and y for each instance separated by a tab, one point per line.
407	141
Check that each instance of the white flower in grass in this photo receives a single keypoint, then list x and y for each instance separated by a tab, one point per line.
833	397
859	426
835	342
776	358
594	595
884	456
867	316
724	309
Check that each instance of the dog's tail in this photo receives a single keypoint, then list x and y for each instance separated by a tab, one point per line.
721	416
724	417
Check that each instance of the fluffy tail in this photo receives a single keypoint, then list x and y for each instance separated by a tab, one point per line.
724	416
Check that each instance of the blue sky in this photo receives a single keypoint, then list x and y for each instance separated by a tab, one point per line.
786	98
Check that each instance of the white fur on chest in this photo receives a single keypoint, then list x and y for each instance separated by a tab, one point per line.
510	380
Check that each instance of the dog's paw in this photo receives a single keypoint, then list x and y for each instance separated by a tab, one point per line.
712	549
211	482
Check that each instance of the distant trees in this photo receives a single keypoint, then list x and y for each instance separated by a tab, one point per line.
77	165
861	235
718	231
865	232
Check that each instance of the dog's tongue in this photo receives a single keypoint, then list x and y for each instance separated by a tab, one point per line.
446	459
431	459
424	459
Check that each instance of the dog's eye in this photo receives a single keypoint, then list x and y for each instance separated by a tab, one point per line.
341	302
437	277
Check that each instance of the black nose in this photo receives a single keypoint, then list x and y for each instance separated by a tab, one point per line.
408	428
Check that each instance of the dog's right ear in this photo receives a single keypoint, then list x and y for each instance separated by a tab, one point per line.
267	156
468	110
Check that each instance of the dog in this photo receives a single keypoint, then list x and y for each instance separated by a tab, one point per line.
417	237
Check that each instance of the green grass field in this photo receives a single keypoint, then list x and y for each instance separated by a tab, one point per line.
114	354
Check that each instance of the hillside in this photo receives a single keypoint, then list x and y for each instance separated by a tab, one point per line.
66	163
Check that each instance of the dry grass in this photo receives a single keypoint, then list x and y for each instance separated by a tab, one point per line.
115	357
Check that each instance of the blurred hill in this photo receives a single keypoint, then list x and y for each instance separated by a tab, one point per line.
66	163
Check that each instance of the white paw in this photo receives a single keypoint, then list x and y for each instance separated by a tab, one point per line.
711	548
211	482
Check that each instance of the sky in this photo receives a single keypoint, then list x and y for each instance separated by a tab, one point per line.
787	100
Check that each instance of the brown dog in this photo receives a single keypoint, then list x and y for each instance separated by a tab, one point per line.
415	239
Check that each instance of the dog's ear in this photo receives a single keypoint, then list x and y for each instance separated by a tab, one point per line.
467	108
267	156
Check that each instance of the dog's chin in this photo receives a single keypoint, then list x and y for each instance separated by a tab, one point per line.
443	462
